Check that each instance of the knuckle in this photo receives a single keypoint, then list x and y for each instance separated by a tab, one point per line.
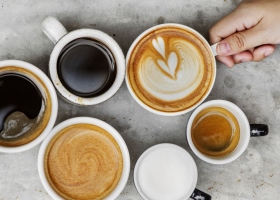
239	41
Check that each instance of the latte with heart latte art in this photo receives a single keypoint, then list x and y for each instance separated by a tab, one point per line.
171	69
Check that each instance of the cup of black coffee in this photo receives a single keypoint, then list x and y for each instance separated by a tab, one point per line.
86	66
28	106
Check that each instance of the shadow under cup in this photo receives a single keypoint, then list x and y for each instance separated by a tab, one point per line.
171	69
84	158
28	106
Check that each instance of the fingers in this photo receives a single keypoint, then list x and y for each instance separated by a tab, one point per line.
263	51
244	56
227	60
253	54
240	19
241	41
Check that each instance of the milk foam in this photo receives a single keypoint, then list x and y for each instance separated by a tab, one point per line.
175	72
166	173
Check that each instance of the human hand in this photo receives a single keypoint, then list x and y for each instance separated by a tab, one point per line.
249	33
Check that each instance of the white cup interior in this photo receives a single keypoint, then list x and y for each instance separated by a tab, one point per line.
106	40
130	89
165	171
29	67
85	120
244	131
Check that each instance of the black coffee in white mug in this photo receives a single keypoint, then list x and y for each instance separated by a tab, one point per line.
28	106
86	67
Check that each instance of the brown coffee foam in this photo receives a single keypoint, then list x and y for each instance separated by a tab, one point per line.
40	126
83	161
144	47
215	132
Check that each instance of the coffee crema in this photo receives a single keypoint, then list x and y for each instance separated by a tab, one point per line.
25	106
83	161
171	69
215	132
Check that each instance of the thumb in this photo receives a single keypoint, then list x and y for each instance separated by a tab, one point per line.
241	41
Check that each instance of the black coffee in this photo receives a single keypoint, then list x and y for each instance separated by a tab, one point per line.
18	93
86	67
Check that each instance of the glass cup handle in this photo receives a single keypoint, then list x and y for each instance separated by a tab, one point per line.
258	130
53	29
199	195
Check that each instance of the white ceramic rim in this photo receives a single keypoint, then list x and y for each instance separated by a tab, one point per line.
106	40
85	120
145	105
244	131
52	92
145	153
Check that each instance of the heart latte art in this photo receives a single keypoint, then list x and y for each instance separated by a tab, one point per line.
171	69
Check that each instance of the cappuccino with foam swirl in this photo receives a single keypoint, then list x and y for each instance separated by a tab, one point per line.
170	68
83	161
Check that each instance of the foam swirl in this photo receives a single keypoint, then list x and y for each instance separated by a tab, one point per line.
186	79
171	69
84	162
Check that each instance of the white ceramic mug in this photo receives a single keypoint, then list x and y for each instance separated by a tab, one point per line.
211	49
86	120
38	78
60	37
167	171
247	130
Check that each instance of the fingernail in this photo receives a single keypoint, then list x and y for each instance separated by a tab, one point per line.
223	49
267	53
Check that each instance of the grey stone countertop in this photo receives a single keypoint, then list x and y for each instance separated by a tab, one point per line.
254	87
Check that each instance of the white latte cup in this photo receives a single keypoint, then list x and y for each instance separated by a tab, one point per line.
179	73
167	171
83	158
61	37
48	109
247	130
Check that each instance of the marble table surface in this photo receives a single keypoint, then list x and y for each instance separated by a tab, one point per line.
254	87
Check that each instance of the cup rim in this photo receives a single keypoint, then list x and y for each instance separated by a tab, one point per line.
53	97
85	120
107	41
135	97
157	146
223	160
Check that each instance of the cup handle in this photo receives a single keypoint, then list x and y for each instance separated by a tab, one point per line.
258	130
213	48
53	29
199	195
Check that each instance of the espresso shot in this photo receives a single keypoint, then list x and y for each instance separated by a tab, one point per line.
86	68
215	132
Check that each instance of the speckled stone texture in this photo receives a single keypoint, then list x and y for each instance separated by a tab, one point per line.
254	87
